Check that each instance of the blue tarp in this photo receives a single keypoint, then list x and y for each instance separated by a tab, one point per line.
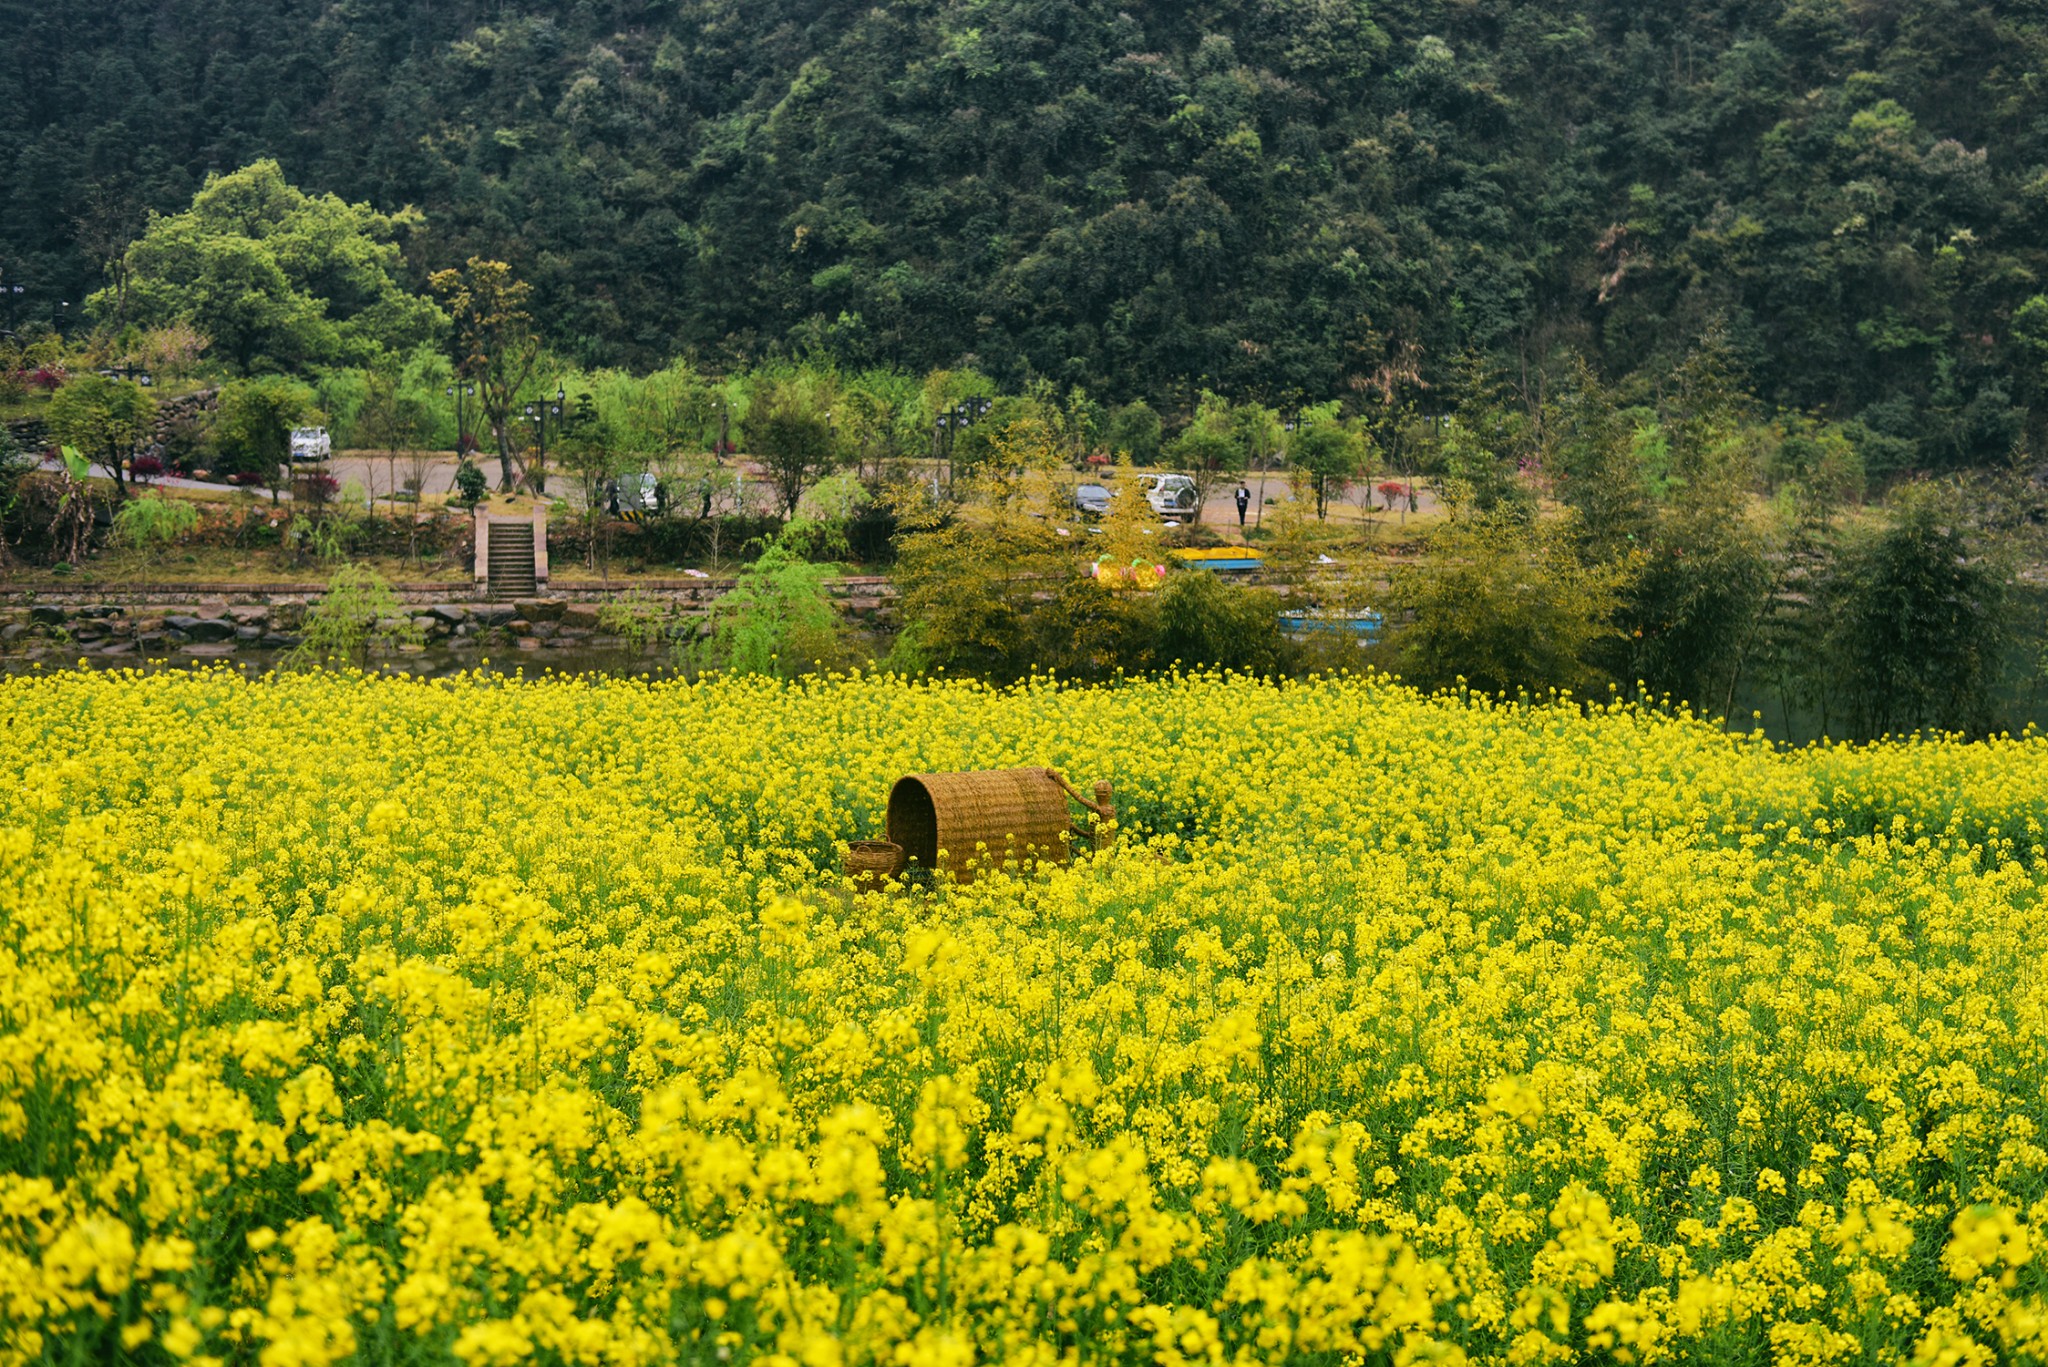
1366	624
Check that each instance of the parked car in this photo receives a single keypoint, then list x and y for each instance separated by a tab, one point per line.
1170	495
310	443
1091	500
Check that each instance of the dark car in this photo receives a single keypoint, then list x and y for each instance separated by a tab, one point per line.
1091	500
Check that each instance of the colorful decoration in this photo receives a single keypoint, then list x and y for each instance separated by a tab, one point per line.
1141	574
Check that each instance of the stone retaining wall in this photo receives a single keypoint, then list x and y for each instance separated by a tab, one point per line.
145	621
860	590
184	408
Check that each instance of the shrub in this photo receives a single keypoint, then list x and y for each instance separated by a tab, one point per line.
777	620
682	540
1083	630
358	611
155	523
1203	621
315	487
1503	606
871	535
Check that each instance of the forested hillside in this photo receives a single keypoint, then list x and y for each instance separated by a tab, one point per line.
1292	198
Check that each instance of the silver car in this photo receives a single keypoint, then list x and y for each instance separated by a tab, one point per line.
1091	500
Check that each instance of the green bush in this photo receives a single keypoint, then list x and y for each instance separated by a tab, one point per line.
359	611
777	620
154	523
1203	621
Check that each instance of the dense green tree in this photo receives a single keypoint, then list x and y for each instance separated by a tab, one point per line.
1205	622
1134	430
253	425
273	276
1915	620
1326	455
790	431
496	346
778	620
1209	449
106	419
1284	201
1503	605
1600	463
16	465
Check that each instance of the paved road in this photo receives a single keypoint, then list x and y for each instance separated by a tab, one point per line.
56	464
1219	511
374	474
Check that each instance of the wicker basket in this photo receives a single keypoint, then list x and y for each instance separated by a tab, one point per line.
870	863
1018	814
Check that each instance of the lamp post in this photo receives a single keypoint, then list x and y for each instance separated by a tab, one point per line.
949	423
12	293
540	415
963	414
459	392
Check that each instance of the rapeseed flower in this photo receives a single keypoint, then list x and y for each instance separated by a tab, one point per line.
491	1020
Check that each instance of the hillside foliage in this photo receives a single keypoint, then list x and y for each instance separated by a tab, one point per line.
1284	199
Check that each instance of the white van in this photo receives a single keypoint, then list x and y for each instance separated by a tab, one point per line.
1170	495
310	443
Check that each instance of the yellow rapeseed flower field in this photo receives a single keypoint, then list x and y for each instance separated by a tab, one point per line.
360	1019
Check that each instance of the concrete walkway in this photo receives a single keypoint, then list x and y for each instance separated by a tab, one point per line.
55	465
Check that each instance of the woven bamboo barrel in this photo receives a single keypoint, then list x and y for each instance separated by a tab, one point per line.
1017	814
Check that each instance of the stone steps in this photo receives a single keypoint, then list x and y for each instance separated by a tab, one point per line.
511	561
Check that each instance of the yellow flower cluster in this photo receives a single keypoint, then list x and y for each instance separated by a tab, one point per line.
349	1018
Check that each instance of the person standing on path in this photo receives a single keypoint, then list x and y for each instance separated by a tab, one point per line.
1244	501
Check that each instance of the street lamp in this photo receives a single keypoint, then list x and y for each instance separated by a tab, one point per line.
458	393
963	414
13	293
540	414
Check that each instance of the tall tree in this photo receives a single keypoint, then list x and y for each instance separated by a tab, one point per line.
1916	619
1327	455
1503	605
254	421
273	275
1212	448
790	431
495	341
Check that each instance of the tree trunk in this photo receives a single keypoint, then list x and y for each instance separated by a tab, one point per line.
121	490
504	456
